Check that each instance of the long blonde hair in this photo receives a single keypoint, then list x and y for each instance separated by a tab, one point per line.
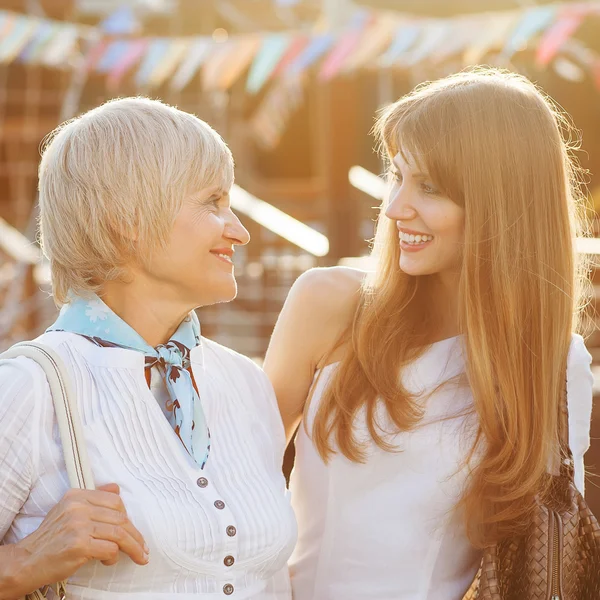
493	143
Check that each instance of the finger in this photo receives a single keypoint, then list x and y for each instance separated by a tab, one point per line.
114	517
105	551
121	536
112	488
106	500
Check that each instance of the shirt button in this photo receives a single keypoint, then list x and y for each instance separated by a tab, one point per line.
231	531
202	482
228	589
229	560
220	504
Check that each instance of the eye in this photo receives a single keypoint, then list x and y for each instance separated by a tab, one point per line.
215	201
429	189
396	175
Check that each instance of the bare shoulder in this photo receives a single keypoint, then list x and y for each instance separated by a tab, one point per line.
328	291
321	305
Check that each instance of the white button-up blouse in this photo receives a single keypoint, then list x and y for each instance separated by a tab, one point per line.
225	531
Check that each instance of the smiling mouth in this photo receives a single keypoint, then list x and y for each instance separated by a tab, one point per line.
224	257
410	239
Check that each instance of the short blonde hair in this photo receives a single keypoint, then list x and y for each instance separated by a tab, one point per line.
111	183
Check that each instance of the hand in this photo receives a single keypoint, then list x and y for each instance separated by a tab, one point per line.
85	525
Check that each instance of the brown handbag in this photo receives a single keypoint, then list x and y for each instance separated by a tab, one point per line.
558	557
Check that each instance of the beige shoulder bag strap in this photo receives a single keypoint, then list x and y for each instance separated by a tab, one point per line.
69	426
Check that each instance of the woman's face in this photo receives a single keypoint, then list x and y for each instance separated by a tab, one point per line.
196	266
430	225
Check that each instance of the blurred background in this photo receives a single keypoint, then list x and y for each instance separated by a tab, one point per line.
292	86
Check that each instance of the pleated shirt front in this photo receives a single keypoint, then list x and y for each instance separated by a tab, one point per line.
224	531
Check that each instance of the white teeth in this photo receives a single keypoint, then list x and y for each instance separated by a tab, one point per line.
409	238
228	258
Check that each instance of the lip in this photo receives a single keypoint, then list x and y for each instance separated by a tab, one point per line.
226	252
412	231
410	247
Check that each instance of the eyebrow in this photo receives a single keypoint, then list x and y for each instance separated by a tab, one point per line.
417	175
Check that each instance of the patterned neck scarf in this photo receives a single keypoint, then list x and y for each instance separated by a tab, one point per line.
92	319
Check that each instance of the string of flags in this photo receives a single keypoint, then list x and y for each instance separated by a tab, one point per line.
371	40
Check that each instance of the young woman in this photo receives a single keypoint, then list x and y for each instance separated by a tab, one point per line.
430	388
183	435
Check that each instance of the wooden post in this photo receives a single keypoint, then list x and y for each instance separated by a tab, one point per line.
339	122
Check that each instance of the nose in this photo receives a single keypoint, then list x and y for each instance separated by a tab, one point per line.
400	206
235	231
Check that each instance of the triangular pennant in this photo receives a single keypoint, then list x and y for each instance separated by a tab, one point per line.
297	46
435	32
199	50
222	69
61	47
490	35
7	20
21	33
46	32
272	49
567	24
347	43
154	53
531	23
316	47
273	114
171	60
372	43
135	50
406	36
113	53
122	22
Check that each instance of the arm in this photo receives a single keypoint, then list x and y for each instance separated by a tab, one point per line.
317	311
580	382
84	525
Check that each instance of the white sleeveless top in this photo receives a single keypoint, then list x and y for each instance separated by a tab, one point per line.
384	530
225	531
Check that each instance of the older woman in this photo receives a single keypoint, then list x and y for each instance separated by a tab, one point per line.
183	435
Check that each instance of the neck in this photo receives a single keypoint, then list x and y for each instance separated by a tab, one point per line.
445	292
154	317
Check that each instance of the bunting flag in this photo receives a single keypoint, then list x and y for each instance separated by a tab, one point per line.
373	42
317	46
406	37
530	24
21	32
490	35
567	24
224	67
344	48
61	47
95	53
297	46
455	41
595	70
433	36
113	53
135	50
46	32
121	22
154	54
199	50
170	61
272	116
371	39
272	49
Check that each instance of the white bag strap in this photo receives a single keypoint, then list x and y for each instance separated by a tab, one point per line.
65	406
